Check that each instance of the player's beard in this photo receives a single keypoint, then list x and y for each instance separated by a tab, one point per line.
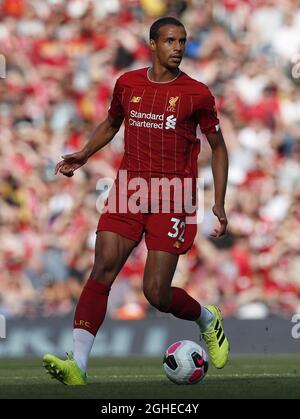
174	63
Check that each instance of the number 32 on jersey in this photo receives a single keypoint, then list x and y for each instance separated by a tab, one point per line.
177	230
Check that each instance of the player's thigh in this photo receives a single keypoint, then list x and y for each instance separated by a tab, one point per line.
111	252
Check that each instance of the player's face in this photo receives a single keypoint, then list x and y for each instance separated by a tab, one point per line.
170	45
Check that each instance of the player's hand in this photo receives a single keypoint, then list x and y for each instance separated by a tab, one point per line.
70	163
221	215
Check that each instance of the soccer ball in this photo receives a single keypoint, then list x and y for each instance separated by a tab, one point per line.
185	362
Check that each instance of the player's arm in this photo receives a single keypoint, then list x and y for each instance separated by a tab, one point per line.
219	165
102	135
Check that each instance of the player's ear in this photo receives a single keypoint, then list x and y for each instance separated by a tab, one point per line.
152	45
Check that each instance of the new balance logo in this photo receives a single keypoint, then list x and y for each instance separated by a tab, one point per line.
220	333
171	122
136	99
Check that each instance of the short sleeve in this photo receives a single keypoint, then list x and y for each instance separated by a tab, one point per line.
116	108
207	113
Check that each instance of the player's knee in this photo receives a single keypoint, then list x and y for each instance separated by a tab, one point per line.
157	298
104	268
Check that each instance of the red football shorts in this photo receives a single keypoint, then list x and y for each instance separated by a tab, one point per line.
166	232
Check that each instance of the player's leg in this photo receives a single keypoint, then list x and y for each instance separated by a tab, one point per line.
167	236
158	275
111	252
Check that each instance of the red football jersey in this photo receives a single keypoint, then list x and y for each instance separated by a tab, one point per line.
161	119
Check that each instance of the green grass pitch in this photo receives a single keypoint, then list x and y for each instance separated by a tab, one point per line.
265	376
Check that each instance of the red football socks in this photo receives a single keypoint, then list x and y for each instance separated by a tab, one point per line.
91	307
183	305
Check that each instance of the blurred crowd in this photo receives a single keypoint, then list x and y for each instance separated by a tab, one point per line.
62	60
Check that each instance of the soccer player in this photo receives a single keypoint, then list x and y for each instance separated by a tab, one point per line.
161	107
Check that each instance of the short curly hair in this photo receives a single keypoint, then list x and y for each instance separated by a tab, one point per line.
168	20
